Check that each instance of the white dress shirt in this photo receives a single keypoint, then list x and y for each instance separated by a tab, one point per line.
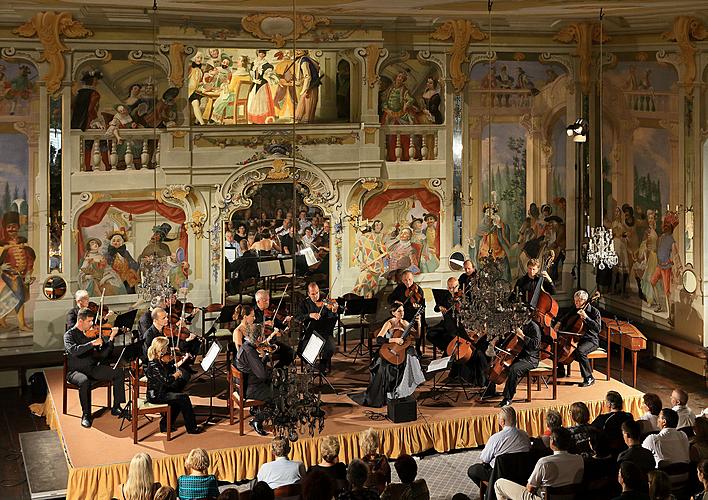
652	419
281	472
560	469
508	440
670	446
686	416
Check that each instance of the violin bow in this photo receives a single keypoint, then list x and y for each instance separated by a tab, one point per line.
281	300
100	312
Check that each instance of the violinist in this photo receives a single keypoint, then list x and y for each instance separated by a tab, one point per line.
81	298
284	354
145	320
387	380
589	316
410	294
257	377
160	320
530	335
319	315
465	278
526	285
245	317
85	368
165	383
441	334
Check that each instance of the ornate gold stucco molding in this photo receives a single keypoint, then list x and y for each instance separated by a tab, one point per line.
462	32
176	56
49	28
301	24
685	30
583	34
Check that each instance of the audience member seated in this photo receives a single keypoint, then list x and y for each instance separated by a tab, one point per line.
670	445
582	430
600	477
703	479
379	468
633	482
509	439
140	484
660	486
330	464
317	485
553	421
699	441
611	422
197	482
635	452
165	493
281	471
559	469
679	398
651	405
358	474
231	493
409	488
261	491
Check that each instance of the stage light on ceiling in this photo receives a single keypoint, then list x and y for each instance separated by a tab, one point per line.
578	130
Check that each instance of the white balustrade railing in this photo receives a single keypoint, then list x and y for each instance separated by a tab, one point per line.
502	98
412	142
138	149
649	101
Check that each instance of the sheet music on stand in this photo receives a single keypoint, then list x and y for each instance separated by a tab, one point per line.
310	256
439	364
210	356
269	268
312	348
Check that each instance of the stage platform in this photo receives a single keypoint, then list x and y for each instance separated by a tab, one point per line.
98	457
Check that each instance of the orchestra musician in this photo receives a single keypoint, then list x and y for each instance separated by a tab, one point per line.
84	364
165	382
319	315
389	381
465	278
410	294
160	319
145	320
245	317
81	298
284	354
526	285
590	338
257	377
530	335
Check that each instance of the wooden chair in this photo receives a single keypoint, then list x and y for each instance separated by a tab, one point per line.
68	385
546	368
140	406
237	398
679	475
287	491
599	353
243	89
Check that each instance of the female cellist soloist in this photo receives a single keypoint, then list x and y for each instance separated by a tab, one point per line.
585	321
387	380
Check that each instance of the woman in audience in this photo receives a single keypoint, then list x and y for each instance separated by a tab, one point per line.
330	464
379	468
140	484
358	475
197	483
553	421
699	441
261	491
409	487
317	485
651	406
703	479
165	493
582	430
660	486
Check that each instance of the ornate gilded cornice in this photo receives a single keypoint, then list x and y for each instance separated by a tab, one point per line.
373	55
301	24
583	34
176	55
686	29
49	27
462	32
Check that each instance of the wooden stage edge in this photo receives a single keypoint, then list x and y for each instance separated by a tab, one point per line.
98	457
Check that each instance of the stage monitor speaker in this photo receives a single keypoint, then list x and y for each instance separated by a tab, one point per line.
402	410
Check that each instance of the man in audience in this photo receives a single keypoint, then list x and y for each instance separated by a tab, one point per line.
669	446
559	469
409	487
679	398
611	422
635	452
281	471
508	440
633	482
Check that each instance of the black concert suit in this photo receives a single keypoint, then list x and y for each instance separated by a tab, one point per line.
465	281
283	354
590	339
145	322
409	310
84	367
152	333
257	377
526	360
163	388
525	287
71	318
324	326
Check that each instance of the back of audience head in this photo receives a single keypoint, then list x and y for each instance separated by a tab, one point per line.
329	449
140	480
407	468
561	439
357	473
703	471
262	491
369	442
668	418
280	447
700	429
197	461
229	494
631	432
679	397
317	485
600	444
659	485
554	420
631	477
652	402
507	416
580	413
614	400
167	493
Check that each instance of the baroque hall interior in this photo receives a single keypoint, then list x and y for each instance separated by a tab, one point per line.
151	147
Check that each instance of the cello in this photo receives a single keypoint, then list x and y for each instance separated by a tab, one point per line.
570	337
395	353
460	347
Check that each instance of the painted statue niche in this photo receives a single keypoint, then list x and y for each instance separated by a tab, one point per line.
400	231
276	227
119	240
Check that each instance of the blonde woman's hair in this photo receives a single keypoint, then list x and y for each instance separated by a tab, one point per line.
198	459
158	346
369	442
140	478
329	448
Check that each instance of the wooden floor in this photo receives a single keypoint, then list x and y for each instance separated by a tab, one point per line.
653	376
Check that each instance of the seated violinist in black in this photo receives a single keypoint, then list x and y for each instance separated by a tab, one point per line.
283	354
410	294
530	336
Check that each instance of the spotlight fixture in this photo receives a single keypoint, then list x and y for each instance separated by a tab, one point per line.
578	130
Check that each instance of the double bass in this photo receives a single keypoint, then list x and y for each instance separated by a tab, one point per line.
395	353
570	337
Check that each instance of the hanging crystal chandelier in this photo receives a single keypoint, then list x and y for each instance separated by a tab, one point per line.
601	248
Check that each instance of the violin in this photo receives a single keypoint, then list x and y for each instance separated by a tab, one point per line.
174	330
103	330
94	308
329	303
414	294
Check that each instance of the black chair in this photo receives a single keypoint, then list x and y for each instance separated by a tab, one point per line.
515	467
688	430
679	475
567	492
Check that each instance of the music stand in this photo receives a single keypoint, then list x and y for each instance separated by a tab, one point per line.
126	320
129	353
437	367
358	306
310	354
226	315
268	269
208	364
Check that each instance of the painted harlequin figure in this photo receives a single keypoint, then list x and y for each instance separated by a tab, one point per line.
16	265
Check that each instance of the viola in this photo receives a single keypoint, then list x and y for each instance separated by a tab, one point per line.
414	294
174	330
94	308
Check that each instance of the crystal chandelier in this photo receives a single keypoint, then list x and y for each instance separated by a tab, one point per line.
154	278
601	248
